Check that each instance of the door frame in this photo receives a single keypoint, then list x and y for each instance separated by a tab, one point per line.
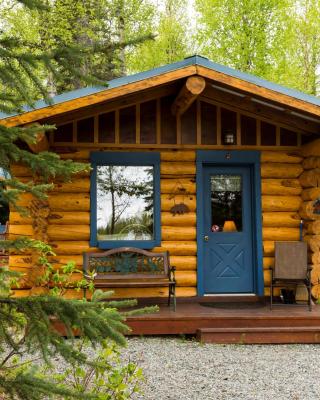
232	158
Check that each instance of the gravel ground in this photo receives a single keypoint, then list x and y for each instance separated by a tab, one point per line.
180	369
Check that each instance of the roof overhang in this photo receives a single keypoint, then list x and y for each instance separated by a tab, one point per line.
220	75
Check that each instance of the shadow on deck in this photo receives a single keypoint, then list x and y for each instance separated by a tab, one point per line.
235	322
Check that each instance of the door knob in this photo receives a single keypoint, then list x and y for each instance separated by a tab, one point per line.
206	238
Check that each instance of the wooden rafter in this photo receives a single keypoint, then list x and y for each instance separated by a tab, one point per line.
250	88
272	114
192	88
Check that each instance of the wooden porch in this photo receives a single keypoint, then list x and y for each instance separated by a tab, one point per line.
238	321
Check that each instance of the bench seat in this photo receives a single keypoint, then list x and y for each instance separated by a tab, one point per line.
128	267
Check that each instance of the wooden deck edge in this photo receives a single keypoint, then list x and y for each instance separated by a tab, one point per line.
264	335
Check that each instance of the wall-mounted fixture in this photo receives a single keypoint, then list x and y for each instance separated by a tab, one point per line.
229	137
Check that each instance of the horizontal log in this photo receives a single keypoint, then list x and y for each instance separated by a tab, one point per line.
21	261
311	163
75	155
310	194
183	233
178	248
16	218
26	261
60	202
178	186
311	149
184	263
64	259
56	217
20	230
280	219
273	233
19	170
268	248
268	262
276	291
69	218
187	220
75	186
177	169
129	293
281	187
280	203
178	155
186	278
74	202
69	232
310	178
280	170
169	201
267	277
21	292
71	247
280	157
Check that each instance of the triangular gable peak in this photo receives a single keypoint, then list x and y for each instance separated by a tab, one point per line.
187	91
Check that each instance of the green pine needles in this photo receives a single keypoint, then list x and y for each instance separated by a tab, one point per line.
30	327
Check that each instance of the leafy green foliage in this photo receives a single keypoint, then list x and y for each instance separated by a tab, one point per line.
107	378
276	40
30	326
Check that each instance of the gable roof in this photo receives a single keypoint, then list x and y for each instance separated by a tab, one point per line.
195	65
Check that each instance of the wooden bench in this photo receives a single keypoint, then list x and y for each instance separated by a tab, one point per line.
128	267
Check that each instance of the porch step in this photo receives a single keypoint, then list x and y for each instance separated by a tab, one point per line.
260	335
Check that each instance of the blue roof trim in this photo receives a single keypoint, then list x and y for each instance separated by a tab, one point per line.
258	81
193	60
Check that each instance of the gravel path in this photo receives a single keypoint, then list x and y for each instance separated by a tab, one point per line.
179	369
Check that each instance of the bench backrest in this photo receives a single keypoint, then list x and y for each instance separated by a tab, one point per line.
127	263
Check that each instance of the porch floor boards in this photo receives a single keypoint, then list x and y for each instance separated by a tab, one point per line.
284	324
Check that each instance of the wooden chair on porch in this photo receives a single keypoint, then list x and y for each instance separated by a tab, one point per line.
291	267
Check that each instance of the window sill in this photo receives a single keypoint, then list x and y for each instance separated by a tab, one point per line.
141	244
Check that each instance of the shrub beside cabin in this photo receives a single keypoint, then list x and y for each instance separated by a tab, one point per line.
207	162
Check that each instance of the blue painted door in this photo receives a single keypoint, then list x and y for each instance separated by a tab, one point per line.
227	240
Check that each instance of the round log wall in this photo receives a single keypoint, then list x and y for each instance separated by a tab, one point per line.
68	223
281	200
286	191
310	182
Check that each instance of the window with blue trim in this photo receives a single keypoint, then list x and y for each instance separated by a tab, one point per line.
125	200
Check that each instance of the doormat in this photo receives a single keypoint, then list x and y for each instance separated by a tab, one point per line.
234	306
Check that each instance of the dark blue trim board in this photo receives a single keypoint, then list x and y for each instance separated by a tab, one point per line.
234	159
123	158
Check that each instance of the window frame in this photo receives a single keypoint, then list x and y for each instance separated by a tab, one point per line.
125	159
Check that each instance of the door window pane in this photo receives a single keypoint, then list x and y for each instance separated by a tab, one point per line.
125	202
226	203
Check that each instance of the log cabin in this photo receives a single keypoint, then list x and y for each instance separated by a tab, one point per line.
195	158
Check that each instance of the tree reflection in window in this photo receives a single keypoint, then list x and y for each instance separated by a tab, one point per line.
125	202
226	203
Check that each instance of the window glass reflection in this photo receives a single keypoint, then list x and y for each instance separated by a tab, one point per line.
226	203
125	202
